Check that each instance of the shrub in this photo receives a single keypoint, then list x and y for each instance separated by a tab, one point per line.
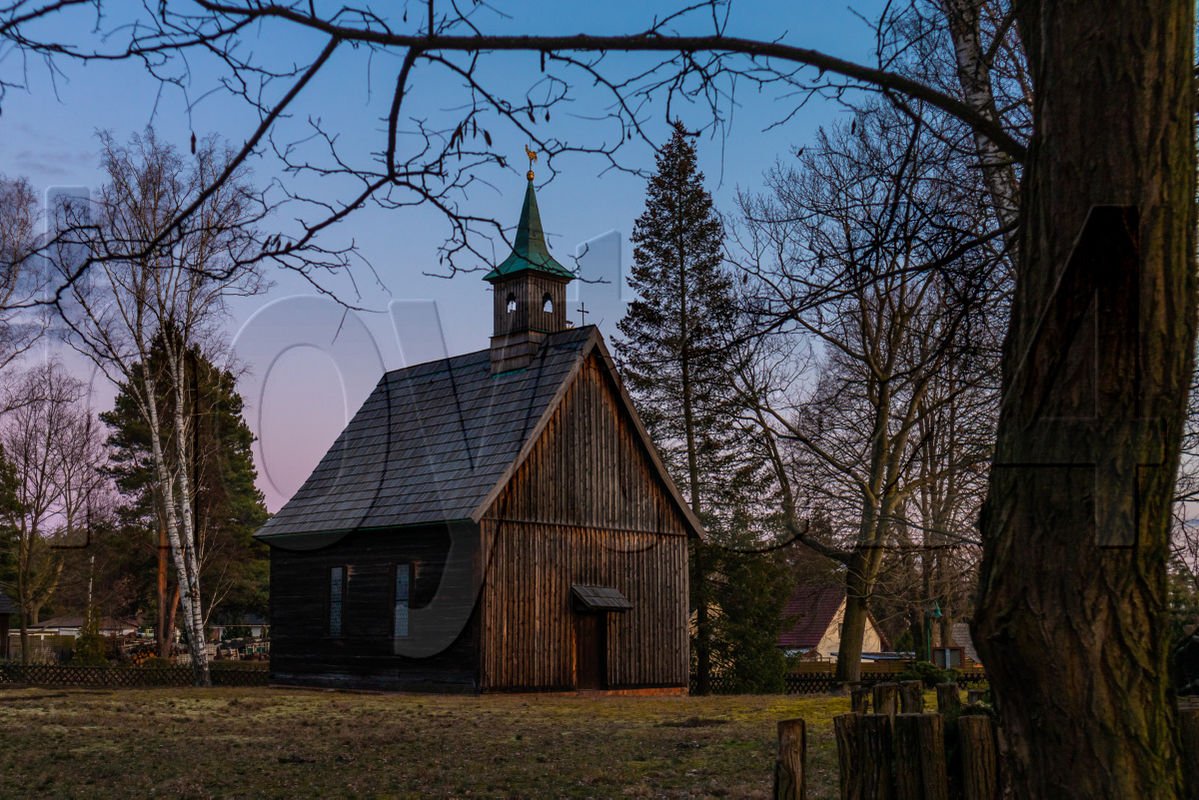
91	650
930	673
154	662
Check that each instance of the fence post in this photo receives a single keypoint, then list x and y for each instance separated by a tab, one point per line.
1188	724
911	696
980	775
920	769
849	756
885	696
974	697
859	700
790	782
949	698
876	748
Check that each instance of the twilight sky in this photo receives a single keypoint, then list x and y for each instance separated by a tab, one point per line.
308	363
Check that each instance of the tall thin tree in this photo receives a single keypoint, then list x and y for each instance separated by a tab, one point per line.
672	347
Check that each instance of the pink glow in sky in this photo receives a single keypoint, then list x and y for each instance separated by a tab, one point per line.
308	363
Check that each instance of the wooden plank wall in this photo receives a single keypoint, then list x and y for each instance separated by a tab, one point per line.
586	507
303	652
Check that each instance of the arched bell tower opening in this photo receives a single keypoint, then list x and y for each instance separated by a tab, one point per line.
529	291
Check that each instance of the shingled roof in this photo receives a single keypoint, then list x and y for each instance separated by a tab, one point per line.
433	443
811	609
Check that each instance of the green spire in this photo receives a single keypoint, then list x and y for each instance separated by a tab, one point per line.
529	251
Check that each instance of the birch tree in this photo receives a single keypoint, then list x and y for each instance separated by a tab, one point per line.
162	296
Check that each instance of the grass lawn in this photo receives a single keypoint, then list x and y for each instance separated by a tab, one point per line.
285	743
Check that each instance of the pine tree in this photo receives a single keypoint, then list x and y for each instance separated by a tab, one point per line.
674	355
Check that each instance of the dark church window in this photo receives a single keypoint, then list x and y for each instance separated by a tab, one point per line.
511	303
403	591
547	304
337	591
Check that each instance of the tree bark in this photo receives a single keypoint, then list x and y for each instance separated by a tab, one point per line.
161	631
1071	620
853	624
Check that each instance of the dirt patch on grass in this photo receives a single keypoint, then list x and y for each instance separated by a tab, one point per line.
254	742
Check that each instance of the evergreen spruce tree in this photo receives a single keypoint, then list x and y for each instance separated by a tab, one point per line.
674	356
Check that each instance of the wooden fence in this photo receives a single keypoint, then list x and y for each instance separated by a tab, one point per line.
124	677
812	681
899	752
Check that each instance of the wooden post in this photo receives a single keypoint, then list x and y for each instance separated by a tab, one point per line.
885	698
877	754
911	696
920	768
849	756
974	697
980	775
859	700
1188	724
949	698
789	779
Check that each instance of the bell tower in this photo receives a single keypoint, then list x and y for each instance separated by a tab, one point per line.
529	289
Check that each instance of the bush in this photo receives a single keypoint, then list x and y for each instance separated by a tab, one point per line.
91	650
930	673
154	662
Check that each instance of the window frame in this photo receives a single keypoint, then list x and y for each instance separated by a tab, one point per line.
409	568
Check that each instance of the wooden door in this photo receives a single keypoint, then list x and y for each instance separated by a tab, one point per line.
590	651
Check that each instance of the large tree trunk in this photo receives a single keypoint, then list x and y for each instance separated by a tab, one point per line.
859	578
1071	620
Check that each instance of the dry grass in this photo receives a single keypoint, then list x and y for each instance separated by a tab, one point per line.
282	743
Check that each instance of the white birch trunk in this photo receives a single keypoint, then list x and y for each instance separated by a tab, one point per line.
178	535
999	174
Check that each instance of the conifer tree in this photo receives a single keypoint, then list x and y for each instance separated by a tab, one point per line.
673	351
228	505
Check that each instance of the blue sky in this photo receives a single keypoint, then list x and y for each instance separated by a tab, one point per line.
309	365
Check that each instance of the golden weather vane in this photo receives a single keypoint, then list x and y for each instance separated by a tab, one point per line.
532	154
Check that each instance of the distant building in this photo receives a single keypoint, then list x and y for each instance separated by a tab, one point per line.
495	521
73	626
7	609
813	617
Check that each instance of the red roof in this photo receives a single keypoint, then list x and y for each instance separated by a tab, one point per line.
809	612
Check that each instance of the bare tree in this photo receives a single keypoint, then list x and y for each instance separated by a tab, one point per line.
868	249
167	302
52	443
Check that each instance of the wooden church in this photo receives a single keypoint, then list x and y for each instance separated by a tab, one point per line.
495	521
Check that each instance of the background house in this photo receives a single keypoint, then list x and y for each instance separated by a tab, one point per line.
812	624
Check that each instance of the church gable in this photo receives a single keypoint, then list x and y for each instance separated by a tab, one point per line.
590	465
